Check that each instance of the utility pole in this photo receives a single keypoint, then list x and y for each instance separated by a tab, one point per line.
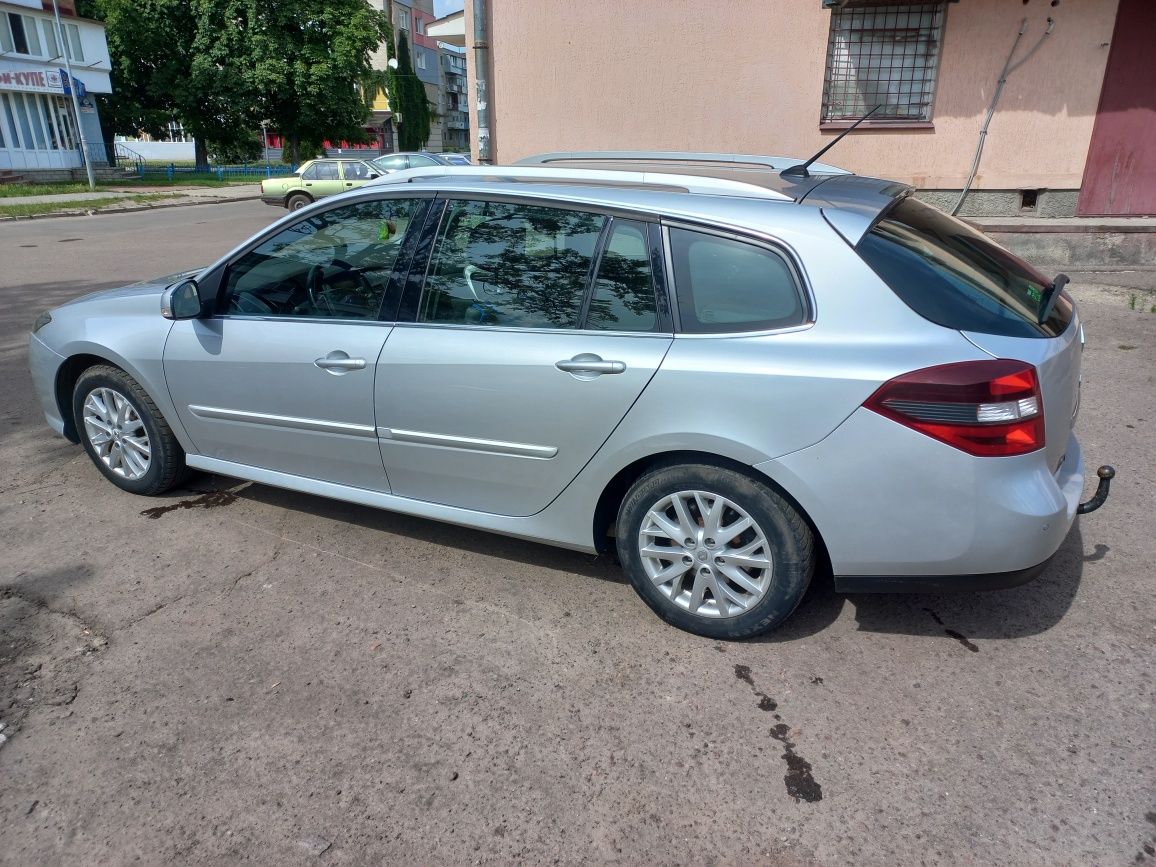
75	100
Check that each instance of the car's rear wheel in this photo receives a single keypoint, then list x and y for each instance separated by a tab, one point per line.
297	201
125	434
713	551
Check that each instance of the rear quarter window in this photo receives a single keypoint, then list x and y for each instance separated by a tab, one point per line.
955	276
724	285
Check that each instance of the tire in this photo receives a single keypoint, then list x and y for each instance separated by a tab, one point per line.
128	411
755	599
297	201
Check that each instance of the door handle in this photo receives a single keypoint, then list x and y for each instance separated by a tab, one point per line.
338	362
589	363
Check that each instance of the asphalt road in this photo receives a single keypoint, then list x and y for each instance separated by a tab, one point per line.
236	673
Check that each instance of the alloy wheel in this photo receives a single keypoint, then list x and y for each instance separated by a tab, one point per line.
117	434
705	553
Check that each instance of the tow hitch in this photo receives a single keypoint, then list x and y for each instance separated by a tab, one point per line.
1106	474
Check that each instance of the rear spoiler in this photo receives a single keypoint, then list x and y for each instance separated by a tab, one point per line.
852	204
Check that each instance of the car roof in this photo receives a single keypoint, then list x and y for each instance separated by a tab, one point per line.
708	185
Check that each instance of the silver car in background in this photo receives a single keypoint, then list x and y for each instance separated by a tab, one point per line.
733	370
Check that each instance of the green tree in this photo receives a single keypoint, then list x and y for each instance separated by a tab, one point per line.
408	99
154	45
220	67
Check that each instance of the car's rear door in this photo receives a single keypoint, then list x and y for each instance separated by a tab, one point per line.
534	331
323	179
281	376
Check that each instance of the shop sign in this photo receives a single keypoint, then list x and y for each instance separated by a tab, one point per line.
32	80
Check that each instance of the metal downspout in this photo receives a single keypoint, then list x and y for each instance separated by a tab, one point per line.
1007	70
482	82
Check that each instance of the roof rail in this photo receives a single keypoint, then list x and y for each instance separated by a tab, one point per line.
585	177
776	163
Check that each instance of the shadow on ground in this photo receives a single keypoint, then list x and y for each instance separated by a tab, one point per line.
1003	614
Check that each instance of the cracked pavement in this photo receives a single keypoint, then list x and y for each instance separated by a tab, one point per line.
237	673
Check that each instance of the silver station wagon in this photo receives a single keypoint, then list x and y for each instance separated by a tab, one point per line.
733	370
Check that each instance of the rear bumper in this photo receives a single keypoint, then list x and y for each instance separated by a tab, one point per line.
275	201
937	583
895	506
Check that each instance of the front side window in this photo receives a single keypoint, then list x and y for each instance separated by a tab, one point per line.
332	265
885	55
726	285
508	265
355	171
623	295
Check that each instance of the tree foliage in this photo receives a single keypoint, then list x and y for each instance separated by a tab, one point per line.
220	67
408	99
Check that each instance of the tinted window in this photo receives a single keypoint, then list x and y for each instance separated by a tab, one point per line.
949	273
336	264
727	285
325	172
509	265
623	296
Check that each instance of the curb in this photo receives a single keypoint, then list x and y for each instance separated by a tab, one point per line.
108	209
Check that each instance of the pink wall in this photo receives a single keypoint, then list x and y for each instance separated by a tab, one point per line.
747	75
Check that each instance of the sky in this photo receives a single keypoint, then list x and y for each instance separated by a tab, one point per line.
445	7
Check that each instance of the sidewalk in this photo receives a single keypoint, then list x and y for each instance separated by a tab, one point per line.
186	195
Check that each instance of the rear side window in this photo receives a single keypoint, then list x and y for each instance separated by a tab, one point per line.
623	296
726	285
954	276
509	265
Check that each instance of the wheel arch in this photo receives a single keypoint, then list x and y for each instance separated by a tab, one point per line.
606	510
87	357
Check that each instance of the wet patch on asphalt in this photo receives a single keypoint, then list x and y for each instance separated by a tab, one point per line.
800	782
207	500
958	636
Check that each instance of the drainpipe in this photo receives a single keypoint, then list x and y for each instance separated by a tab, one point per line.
1008	69
482	82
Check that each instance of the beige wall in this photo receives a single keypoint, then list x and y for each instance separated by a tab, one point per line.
747	75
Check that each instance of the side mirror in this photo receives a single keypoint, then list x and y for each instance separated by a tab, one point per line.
373	176
181	301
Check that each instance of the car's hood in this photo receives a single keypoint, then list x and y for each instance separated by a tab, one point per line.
145	287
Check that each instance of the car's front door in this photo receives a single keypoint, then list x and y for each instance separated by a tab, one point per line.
515	371
281	377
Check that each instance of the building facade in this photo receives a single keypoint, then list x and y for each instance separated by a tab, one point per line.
38	125
1072	129
454	111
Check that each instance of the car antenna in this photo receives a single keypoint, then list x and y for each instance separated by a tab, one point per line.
799	170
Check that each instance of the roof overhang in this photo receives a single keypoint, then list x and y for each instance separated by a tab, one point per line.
450	29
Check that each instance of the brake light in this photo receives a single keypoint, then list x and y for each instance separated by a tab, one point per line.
985	408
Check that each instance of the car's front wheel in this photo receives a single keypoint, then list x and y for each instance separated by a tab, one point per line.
125	434
714	551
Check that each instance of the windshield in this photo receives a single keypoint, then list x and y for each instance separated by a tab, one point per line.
953	275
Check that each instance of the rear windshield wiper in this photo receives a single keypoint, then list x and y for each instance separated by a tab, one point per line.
1048	300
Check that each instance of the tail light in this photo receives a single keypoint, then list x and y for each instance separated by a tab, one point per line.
985	408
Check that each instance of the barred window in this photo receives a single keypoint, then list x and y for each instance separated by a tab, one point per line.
884	55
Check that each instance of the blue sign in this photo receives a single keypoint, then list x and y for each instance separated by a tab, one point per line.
81	90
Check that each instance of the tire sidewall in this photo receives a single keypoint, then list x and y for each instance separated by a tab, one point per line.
303	198
121	383
787	535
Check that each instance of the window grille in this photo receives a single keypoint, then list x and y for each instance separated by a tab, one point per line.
883	55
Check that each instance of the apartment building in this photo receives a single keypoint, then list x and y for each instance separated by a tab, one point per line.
39	128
